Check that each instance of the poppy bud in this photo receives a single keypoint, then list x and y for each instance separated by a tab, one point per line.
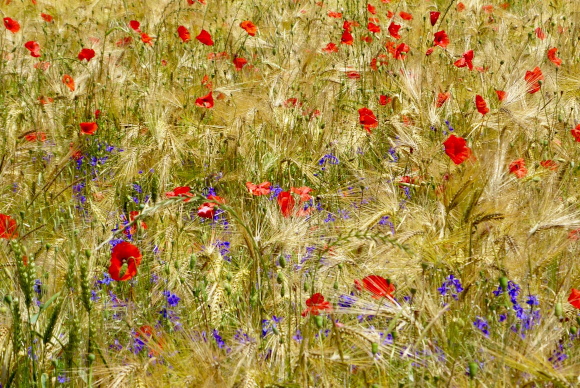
282	291
8	299
335	285
578	320
275	330
282	262
473	368
503	282
558	310
280	278
573	330
374	348
305	287
394	335
228	288
90	358
319	321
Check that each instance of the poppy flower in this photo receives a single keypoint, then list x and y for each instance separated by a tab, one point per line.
400	51
518	168
205	38
574	298
465	60
372	27
11	25
481	105
441	39
86	54
330	48
460	7
33	47
183	34
394	30
336	15
441	98
47	18
42	65
206	210
205	101
487	8
433	17
384	100
250	27
576	133
88	128
130	231
303	192
182	191
366	39
8	227
124	253
69	82
346	38
540	34
261	189
239	63
456	148
348	25
549	164
371	9
286	203
35	136
553	58
405	16
533	79
124	42
145	38
368	119
353	75
135	25
501	95
378	286
315	304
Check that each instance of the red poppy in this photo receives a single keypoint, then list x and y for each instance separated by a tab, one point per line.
42	65
239	63
372	27
574	298
135	25
368	119
549	164
183	34
378	286
315	304
250	27
533	79
441	98
47	18
466	60
348	25
8	227
11	25
553	58
394	30
132	215
460	7
576	133
481	105
540	34
400	51
384	100
124	42
69	82
205	101
406	16
433	17
346	38
430	51
456	148
124	253
336	15
145	38
261	189
353	75
86	54
441	39
182	191
35	136
33	47
205	38
371	9
330	48
303	192
487	8
501	95
286	203
518	168
367	39
206	210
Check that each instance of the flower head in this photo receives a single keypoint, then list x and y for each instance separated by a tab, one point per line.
315	304
124	253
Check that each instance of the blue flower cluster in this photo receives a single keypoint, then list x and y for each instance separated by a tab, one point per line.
451	286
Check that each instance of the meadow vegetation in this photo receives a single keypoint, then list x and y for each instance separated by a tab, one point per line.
289	193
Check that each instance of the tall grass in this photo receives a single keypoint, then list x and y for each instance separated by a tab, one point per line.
482	261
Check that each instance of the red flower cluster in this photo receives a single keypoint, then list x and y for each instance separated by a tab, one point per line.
315	304
124	253
8	227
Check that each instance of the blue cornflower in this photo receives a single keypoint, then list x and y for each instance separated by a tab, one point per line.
449	284
481	325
